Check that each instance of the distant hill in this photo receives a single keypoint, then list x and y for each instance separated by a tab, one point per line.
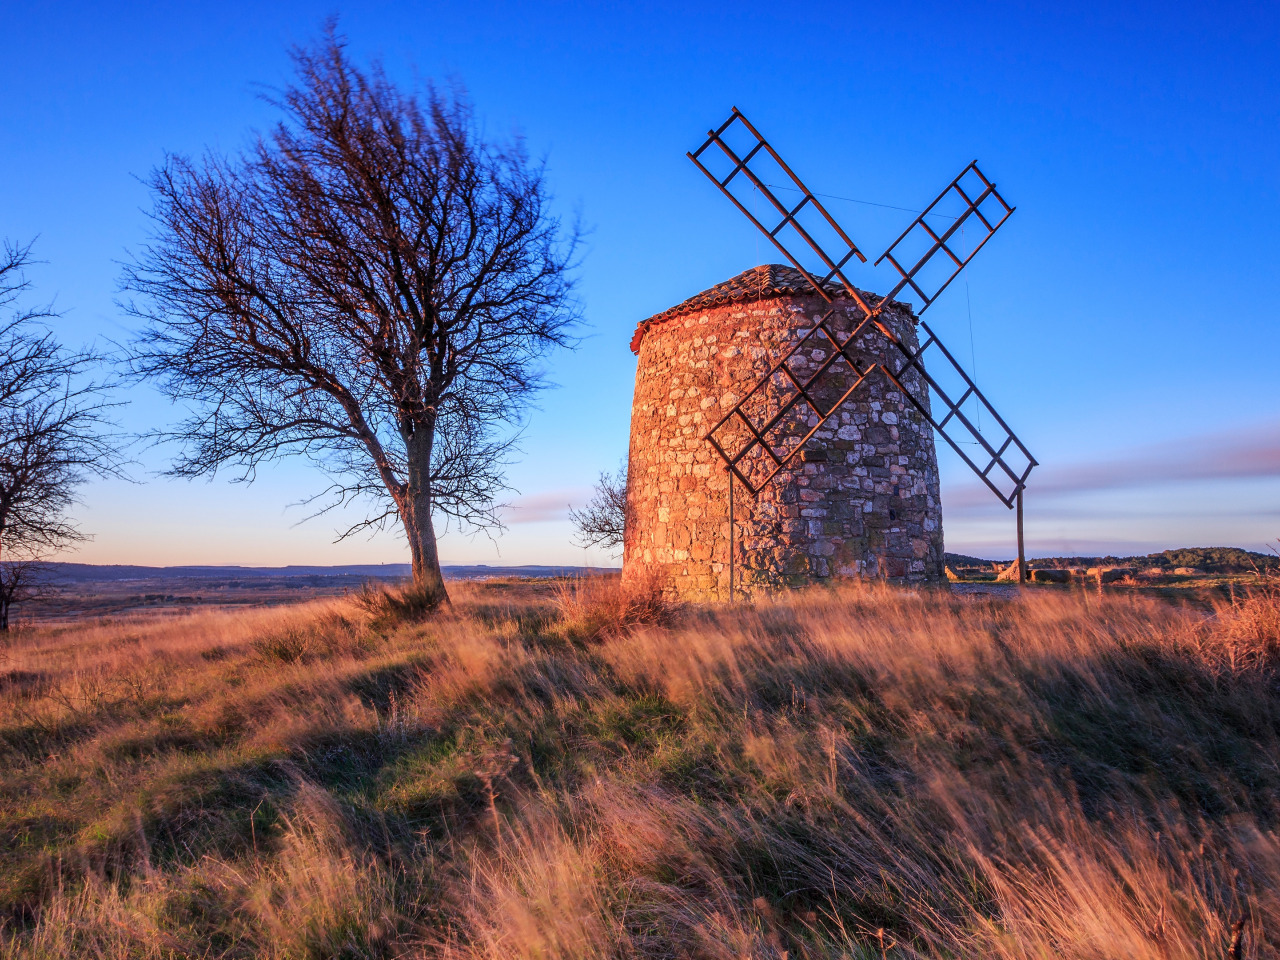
102	573
1221	559
957	560
1208	559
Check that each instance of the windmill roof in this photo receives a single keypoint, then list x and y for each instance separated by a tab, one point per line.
758	283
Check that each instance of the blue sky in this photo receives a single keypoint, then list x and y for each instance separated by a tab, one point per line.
1123	320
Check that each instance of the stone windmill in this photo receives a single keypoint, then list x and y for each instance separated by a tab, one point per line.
815	398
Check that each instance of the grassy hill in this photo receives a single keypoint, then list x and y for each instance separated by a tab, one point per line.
863	773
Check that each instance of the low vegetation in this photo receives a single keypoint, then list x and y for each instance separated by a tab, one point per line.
864	773
1219	560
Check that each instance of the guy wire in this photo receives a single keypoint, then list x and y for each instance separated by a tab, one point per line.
973	356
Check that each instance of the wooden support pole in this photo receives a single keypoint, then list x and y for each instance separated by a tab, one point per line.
732	595
1022	553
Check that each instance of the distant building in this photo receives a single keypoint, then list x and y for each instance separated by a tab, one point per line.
861	500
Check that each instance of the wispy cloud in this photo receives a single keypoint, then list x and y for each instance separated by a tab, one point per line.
1227	455
1200	490
544	507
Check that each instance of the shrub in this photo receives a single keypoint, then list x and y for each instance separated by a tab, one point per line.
327	635
603	605
393	606
1247	632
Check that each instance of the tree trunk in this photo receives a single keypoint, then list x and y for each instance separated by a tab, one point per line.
415	513
5	596
427	575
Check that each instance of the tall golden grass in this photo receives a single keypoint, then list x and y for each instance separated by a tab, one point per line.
858	773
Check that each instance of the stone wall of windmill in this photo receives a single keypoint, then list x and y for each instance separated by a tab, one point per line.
860	501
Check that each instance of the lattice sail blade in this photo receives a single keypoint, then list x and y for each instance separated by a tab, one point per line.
926	258
744	165
983	211
993	452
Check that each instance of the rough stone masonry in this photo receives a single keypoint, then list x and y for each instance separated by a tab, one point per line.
860	501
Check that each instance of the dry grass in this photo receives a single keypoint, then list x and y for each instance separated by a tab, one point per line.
601	606
865	773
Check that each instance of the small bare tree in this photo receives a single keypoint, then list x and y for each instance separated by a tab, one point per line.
602	522
371	285
54	435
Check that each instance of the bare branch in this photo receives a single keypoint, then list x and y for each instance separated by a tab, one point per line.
603	521
54	435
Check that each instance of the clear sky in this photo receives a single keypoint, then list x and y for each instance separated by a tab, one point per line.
1123	320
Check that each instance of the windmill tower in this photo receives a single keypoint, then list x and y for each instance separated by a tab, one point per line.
782	430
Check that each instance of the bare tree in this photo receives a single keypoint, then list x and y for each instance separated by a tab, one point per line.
602	522
371	285
54	435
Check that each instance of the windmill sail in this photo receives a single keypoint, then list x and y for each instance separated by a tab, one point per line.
749	433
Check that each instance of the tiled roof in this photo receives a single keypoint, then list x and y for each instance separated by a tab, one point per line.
758	283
